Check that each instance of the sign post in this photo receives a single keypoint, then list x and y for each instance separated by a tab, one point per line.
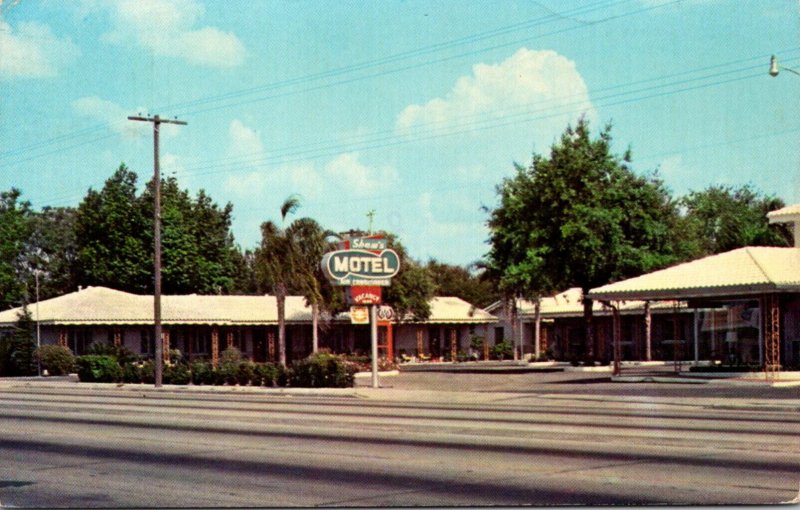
373	329
364	264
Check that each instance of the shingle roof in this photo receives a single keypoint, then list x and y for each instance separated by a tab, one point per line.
570	304
101	305
452	309
784	214
749	270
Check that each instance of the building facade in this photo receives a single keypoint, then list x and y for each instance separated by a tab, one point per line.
200	327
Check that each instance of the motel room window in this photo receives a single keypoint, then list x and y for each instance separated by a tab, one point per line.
79	341
146	344
499	334
202	343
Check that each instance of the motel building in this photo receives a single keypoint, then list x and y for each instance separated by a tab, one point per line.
740	307
201	327
647	328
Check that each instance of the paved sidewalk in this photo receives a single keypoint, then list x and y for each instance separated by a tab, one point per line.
529	390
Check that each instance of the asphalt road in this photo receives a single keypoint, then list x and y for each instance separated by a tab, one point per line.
82	447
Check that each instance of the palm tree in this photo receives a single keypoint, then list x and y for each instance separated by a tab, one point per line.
288	261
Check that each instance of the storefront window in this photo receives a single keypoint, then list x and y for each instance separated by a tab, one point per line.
729	333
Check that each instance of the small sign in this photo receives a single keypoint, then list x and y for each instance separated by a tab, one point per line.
359	315
365	295
385	313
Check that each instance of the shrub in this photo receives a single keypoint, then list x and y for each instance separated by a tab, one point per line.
285	376
266	374
502	350
226	374
231	355
132	373
16	356
177	374
246	373
56	359
98	368
323	370
202	373
147	370
122	353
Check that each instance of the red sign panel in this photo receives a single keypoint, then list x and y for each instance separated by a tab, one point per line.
365	295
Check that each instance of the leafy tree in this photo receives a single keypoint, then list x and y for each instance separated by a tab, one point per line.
17	348
723	218
15	228
450	280
110	230
579	217
51	250
114	239
198	250
279	265
412	287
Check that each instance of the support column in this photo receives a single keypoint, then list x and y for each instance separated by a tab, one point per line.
696	336
616	335
648	332
117	337
165	345
271	345
537	329
676	341
389	341
62	338
215	347
486	342
453	345
772	349
420	345
229	339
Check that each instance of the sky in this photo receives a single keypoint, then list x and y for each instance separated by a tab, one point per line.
415	109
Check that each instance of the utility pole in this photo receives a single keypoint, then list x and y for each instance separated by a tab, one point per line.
159	343
371	216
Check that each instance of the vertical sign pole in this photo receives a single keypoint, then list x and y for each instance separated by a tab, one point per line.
373	326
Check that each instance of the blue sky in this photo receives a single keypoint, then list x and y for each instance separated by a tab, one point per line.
413	109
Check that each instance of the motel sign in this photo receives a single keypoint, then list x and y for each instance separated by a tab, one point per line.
354	267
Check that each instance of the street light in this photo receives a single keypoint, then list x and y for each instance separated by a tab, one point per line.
774	68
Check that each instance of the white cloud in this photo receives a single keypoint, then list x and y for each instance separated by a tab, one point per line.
539	82
167	28
245	185
349	173
33	51
243	140
112	114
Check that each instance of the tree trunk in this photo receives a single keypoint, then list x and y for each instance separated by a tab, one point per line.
280	298
314	327
587	317
513	314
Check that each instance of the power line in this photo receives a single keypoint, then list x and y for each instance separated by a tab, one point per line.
312	77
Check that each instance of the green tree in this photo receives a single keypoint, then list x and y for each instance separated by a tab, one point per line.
579	217
51	250
114	239
15	227
723	218
17	348
412	287
279	265
310	244
451	280
110	236
198	250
